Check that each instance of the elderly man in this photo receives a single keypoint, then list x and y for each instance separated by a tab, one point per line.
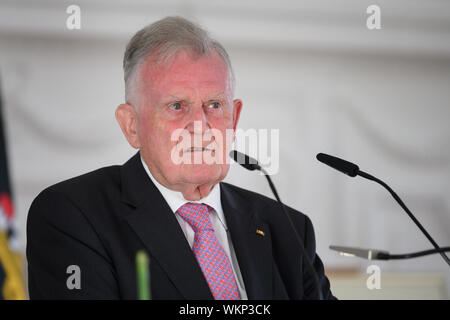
205	239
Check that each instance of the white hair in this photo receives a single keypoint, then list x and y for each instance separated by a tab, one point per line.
163	39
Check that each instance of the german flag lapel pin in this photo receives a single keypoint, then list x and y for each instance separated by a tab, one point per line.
260	232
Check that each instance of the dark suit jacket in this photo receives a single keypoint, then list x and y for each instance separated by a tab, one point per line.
98	221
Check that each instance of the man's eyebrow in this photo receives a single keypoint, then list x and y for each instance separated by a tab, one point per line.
171	98
218	96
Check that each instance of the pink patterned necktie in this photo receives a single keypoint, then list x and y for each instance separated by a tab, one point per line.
210	255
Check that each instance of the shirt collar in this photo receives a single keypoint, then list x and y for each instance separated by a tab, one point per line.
175	199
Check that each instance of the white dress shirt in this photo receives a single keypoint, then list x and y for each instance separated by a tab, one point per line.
175	200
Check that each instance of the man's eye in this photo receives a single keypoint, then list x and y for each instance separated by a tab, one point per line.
175	106
214	105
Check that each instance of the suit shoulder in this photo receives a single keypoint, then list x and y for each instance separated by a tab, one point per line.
88	182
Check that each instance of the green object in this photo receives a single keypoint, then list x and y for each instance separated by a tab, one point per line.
143	275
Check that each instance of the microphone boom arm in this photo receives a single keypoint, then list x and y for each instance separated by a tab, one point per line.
374	254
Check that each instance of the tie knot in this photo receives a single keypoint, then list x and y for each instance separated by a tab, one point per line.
197	215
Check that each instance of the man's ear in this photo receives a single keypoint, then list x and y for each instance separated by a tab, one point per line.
237	107
127	117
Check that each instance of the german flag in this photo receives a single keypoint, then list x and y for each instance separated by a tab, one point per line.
11	280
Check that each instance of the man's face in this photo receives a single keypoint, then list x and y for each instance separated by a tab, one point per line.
174	96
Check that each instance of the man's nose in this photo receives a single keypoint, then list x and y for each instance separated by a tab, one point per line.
198	123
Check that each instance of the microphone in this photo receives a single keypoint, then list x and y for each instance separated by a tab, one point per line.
245	161
374	254
352	170
252	164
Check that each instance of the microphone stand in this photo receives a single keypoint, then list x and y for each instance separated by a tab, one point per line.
299	241
414	254
352	170
252	164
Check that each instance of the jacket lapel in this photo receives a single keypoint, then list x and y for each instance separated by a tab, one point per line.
251	242
155	224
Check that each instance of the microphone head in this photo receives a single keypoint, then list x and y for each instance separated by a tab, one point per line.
341	165
244	160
